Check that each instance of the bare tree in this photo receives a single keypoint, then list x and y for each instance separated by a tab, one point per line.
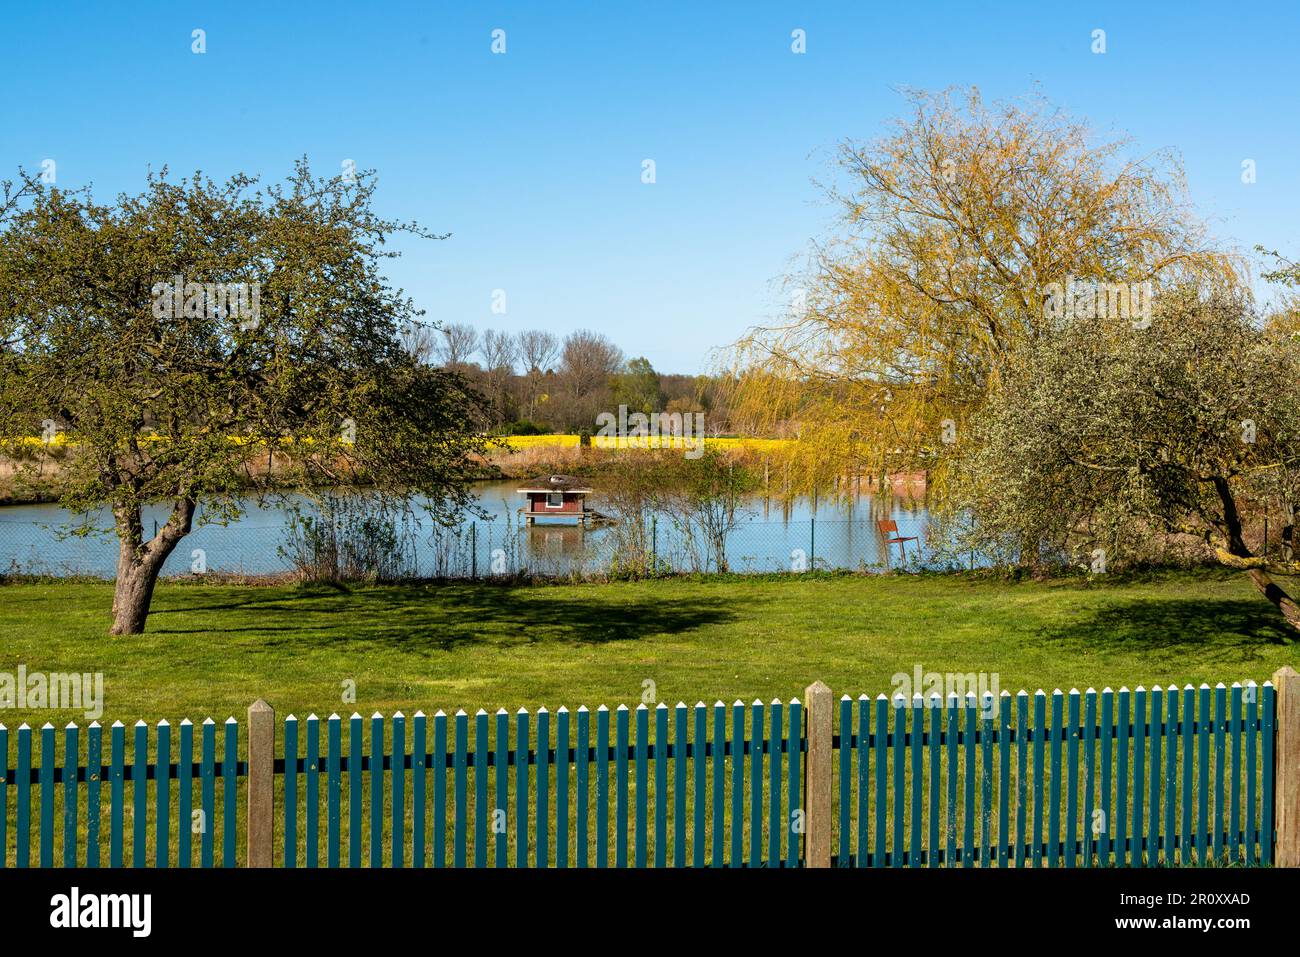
587	361
459	342
537	351
421	341
499	351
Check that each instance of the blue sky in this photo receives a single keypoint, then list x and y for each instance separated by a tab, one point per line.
532	159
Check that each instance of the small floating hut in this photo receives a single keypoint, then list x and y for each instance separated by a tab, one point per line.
559	498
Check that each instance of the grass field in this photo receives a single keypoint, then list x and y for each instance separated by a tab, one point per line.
210	650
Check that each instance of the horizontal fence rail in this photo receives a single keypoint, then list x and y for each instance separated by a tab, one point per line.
1191	776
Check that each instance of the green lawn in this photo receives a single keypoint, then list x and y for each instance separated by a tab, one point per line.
210	650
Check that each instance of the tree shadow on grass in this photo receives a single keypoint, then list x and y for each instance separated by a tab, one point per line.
1231	630
423	619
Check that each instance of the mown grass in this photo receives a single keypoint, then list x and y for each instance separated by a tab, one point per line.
211	650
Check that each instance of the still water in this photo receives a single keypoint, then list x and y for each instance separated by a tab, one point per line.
828	533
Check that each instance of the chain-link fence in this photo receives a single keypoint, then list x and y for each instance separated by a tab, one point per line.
501	547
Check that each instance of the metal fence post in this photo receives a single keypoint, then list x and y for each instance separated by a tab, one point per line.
819	781
261	783
1286	683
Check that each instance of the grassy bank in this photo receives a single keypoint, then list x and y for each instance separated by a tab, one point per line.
210	650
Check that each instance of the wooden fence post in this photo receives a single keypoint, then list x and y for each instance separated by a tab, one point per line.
1287	774
819	783
261	784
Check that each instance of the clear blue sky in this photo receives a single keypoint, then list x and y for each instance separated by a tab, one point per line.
532	160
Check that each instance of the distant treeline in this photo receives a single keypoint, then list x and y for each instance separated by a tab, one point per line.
539	383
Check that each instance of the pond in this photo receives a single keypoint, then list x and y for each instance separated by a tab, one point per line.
838	533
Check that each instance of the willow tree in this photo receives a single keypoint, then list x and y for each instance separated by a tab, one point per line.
201	341
956	230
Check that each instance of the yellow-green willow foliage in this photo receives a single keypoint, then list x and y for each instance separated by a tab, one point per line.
954	230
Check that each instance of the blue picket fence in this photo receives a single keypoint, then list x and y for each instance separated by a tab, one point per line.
1121	779
55	787
521	775
1169	777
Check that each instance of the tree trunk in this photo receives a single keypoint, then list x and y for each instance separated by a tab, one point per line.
1270	590
1237	555
139	562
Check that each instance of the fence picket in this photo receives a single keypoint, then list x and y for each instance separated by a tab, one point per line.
1234	814
1089	774
419	769
661	785
230	802
376	856
950	849
23	812
642	785
935	703
602	787
1072	780
1203	775
582	799
562	764
501	789
1054	784
117	787
737	750
1105	839
1040	743
542	855
794	741
719	782
1220	717
917	733
399	790
162	796
1252	725
333	791
207	795
94	782
71	757
48	761
521	787
1022	772
481	753
1268	731
700	805
898	741
460	773
621	723
291	778
1137	855
881	771
438	765
1123	729
1004	781
773	787
1157	737
1173	723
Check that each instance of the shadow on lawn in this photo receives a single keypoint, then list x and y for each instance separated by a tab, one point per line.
1217	629
439	618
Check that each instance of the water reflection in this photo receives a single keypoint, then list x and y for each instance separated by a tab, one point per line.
837	531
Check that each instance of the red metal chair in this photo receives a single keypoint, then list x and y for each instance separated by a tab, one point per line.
888	527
